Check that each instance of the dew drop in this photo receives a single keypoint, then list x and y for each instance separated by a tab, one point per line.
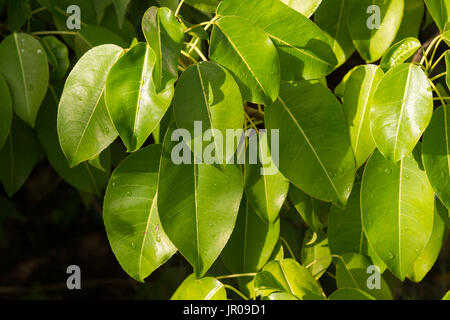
129	193
133	245
38	51
407	177
391	255
158	238
387	171
113	184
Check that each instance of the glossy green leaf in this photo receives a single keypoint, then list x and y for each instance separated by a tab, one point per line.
399	53
303	55
287	276
19	11
198	205
447	63
436	153
85	128
350	294
121	9
313	212
440	11
401	111
251	243
265	187
256	66
57	55
305	7
310	118
204	5
91	36
83	177
352	272
5	111
332	16
358	100
397	205
280	296
317	254
135	106
200	289
18	156
131	215
207	95
100	8
23	64
165	36
447	296
373	41
413	13
429	255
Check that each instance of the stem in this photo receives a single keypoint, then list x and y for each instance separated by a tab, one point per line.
235	291
200	53
433	42
187	55
437	61
288	247
320	259
196	26
38	10
211	22
435	49
437	92
237	275
179	8
251	122
438	76
181	68
39	33
444	98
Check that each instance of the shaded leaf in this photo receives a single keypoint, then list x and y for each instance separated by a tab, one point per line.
5	111
57	55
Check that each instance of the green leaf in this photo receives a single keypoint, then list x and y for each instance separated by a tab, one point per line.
256	66
204	5
402	108
100	7
332	17
200	289
317	254
372	42
287	276
57	55
357	103
252	241
313	212
397	207
447	64
85	128
399	53
83	177
309	116
121	9
429	255
447	296
440	11
305	7
131	215
91	36
436	153
23	64
280	296
18	156
413	13
19	11
265	187
198	205
165	36
352	272
5	111
135	106
303	55
350	294
207	95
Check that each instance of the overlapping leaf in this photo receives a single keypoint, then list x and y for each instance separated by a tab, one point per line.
313	141
5	111
200	289
85	128
397	207
306	54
